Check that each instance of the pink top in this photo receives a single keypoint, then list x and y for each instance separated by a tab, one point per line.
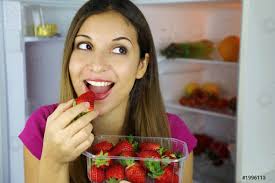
33	133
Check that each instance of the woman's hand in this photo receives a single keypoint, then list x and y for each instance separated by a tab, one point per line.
65	140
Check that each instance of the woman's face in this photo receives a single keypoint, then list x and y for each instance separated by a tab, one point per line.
105	59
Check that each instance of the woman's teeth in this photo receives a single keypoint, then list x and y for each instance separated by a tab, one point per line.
95	83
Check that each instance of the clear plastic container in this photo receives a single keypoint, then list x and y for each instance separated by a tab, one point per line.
171	144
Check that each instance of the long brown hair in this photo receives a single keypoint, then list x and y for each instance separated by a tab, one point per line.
148	117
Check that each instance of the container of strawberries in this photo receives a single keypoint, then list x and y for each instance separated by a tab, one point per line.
135	159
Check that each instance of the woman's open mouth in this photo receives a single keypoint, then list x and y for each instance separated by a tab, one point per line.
101	88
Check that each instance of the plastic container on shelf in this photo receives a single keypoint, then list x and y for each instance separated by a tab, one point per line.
172	145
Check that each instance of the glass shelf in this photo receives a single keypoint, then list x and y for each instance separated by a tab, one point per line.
177	106
30	39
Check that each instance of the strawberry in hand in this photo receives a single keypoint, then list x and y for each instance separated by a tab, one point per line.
86	97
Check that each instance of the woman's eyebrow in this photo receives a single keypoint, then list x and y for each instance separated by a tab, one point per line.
82	35
120	38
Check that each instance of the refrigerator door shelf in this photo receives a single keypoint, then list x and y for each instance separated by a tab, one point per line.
174	105
199	61
29	39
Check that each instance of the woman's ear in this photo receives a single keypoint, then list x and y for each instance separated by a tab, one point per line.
142	66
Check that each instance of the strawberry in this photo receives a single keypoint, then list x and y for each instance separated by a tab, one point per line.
149	154
96	174
149	146
220	149
135	173
149	163
127	162
166	176
86	97
101	160
115	173
123	145
168	156
104	146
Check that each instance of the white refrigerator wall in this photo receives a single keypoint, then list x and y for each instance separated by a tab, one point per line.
4	152
15	68
256	115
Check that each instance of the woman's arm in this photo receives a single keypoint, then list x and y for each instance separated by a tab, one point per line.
188	169
31	167
44	170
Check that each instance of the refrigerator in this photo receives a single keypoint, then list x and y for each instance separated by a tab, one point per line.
31	68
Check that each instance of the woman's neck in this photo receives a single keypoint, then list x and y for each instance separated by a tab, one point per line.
111	123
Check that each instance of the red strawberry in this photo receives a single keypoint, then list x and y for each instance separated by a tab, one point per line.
87	97
115	173
102	160
220	149
122	146
127	162
104	146
149	154
128	154
168	155
96	174
135	173
168	176
149	146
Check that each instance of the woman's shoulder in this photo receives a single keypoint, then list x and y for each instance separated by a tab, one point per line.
41	114
180	130
44	111
33	133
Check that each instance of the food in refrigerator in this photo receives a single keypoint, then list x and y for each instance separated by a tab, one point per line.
229	48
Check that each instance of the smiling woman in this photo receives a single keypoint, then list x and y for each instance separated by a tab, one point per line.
108	61
109	50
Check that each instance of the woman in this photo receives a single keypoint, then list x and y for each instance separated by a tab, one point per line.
109	49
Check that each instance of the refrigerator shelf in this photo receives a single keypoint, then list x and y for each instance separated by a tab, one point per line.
176	106
31	39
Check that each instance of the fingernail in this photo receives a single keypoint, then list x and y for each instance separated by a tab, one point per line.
87	104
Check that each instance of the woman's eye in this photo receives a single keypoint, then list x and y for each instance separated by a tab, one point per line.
120	50
84	46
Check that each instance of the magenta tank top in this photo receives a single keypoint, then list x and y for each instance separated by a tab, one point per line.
33	133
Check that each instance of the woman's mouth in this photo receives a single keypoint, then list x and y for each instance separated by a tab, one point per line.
101	88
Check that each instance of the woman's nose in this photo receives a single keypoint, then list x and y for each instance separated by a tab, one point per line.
99	63
98	67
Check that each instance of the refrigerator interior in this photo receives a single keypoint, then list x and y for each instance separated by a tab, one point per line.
179	22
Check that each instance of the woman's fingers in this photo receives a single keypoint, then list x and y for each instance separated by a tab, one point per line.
81	135
66	117
61	108
80	123
84	145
